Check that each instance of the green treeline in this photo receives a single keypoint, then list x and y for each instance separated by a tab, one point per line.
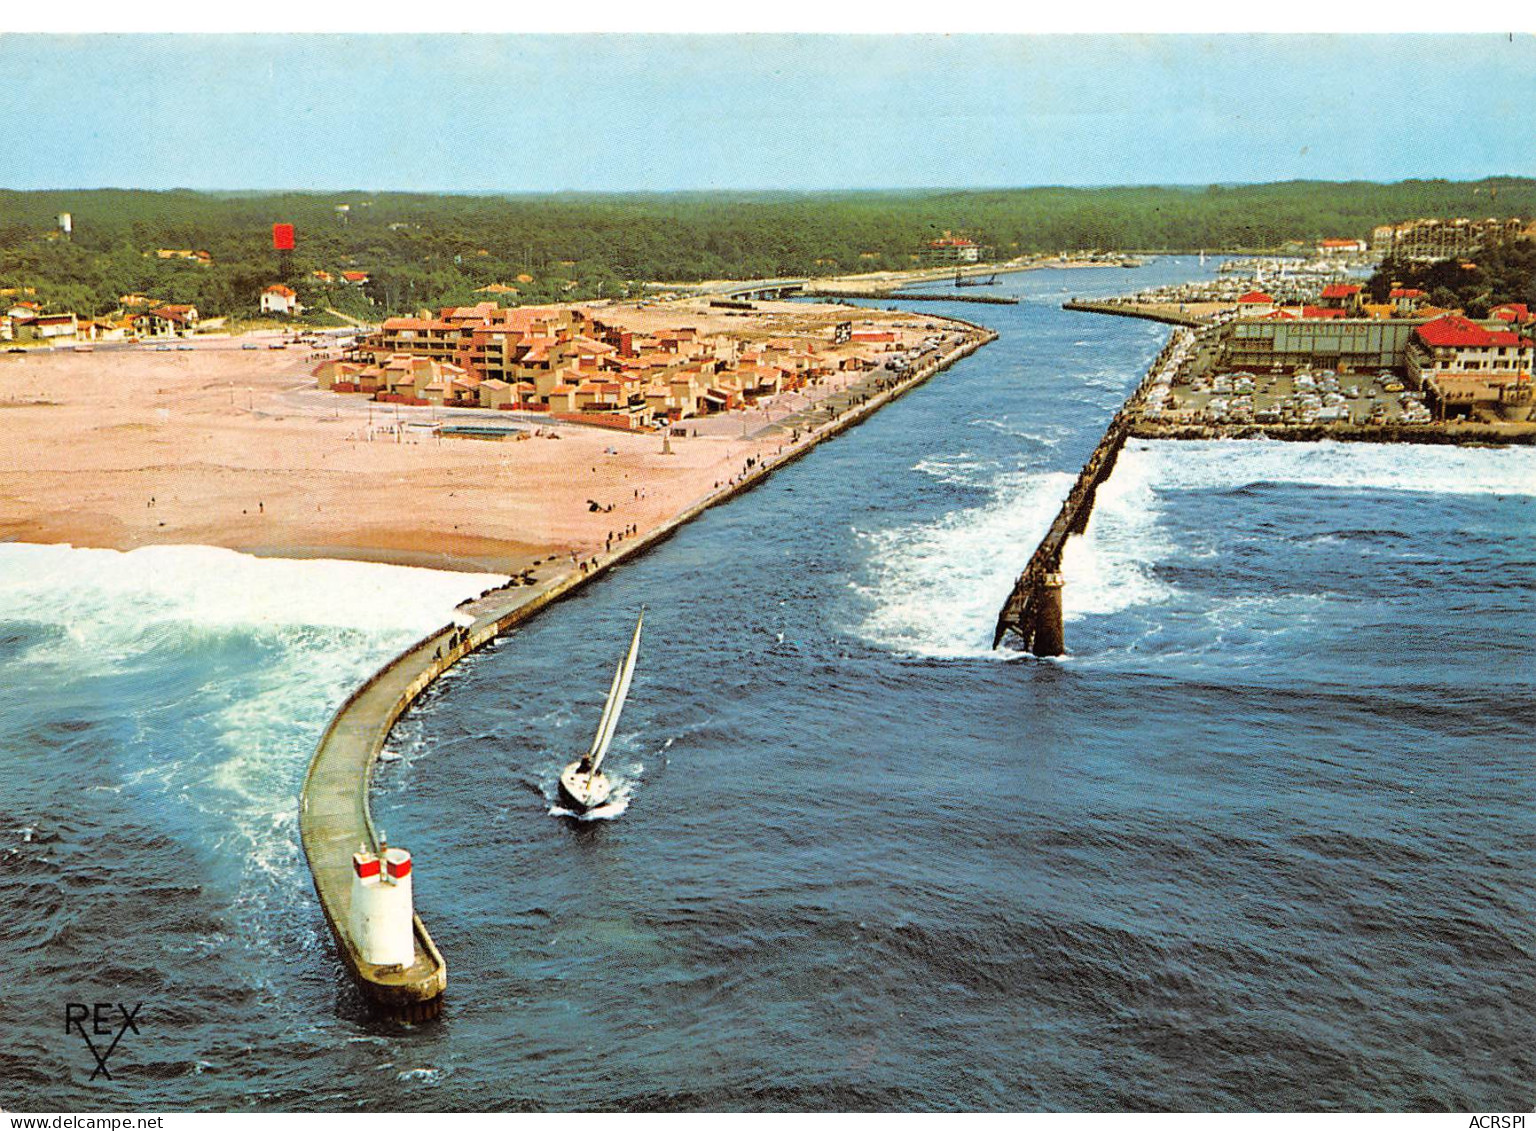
431	250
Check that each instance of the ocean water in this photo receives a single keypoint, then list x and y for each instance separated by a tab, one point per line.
1263	839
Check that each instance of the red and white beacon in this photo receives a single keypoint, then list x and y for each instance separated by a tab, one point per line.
382	912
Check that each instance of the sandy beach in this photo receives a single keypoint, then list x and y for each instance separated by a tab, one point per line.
224	446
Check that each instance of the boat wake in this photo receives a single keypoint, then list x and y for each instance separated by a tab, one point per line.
615	806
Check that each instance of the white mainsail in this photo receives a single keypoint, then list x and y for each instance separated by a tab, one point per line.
616	694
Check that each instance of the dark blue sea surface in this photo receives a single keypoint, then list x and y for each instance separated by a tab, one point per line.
1264	839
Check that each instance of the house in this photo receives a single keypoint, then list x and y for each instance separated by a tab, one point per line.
280	299
47	327
165	320
202	258
1251	304
1342	296
1341	247
496	393
1456	363
323	277
356	278
1405	300
1516	312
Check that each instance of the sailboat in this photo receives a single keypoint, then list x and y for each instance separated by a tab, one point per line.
583	785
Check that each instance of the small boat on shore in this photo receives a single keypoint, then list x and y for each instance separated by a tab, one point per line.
583	785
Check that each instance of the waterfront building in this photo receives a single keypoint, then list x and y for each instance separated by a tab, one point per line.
1341	247
1265	345
951	249
563	361
1254	303
1458	363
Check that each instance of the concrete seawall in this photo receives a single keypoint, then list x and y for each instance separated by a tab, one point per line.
334	817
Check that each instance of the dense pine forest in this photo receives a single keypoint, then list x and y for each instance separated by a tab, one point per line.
430	250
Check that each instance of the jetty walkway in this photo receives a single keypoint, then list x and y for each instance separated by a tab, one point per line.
334	817
1152	313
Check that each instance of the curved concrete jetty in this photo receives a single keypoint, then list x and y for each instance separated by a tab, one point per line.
334	819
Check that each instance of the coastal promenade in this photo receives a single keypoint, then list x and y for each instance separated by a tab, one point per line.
334	817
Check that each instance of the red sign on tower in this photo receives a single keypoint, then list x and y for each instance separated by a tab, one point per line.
282	237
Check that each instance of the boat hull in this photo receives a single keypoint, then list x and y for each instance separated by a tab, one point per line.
580	791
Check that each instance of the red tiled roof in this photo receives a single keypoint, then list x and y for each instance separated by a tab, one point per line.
1250	297
1512	312
1340	290
279	289
1321	312
1407	292
1454	330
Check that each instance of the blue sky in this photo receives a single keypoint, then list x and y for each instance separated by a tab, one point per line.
659	113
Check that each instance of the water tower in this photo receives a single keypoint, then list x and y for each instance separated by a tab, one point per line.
282	243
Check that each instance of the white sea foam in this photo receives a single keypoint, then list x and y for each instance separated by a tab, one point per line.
1108	568
935	588
99	590
1183	465
241	661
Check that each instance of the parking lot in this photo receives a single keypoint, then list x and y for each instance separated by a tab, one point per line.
1308	396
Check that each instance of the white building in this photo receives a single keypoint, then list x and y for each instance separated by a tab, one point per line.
278	299
1457	363
952	249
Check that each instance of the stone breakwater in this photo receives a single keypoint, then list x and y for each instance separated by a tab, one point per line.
334	817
